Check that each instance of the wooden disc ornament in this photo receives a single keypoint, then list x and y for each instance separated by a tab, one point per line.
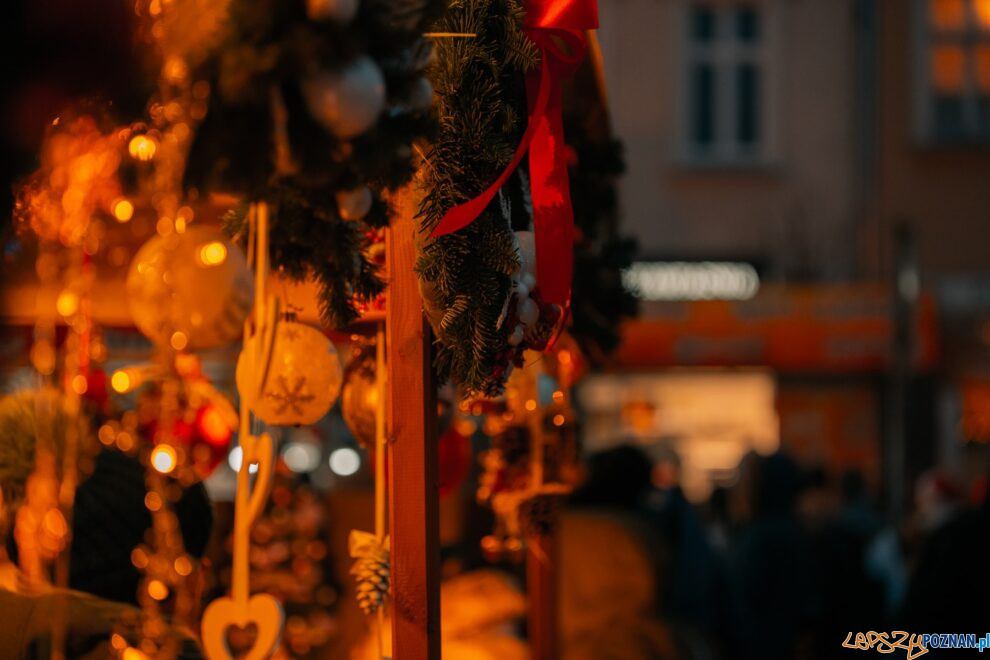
303	377
191	290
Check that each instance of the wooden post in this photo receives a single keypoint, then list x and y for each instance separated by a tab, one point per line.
541	591
412	457
540	560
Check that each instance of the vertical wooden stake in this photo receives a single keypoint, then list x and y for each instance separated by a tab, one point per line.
414	507
541	590
540	560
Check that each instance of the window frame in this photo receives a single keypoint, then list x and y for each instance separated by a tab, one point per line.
727	56
925	36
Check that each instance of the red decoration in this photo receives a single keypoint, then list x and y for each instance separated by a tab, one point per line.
454	449
552	25
205	440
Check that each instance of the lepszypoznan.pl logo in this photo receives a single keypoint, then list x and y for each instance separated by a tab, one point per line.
915	644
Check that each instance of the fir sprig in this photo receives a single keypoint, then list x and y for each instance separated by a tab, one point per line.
269	47
466	276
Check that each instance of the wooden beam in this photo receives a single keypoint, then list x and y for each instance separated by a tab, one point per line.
542	595
412	458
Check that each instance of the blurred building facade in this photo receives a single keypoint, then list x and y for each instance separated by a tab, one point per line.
842	149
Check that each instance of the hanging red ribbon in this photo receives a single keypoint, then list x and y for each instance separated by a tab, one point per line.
557	27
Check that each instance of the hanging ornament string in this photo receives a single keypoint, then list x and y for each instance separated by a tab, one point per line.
557	28
240	608
380	461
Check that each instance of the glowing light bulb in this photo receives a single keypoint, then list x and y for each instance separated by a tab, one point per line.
234	459
120	382
79	384
344	461
67	303
179	340
142	147
213	253
163	458
123	210
157	590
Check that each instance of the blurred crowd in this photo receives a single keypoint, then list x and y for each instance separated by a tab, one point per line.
784	564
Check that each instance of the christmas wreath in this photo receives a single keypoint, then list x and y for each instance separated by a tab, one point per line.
491	287
476	282
333	95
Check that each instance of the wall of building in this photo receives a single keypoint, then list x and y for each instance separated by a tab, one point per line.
796	210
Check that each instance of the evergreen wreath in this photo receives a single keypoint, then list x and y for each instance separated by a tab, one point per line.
466	276
321	159
600	300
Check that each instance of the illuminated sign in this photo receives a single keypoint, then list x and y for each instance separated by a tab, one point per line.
692	280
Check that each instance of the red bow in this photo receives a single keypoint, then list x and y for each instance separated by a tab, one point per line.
557	28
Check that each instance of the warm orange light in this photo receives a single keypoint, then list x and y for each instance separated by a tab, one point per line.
982	10
142	147
120	381
163	458
213	427
54	523
153	501
947	14
558	397
123	210
983	68
948	69
131	653
213	253
157	590
558	420
564	357
79	384
531	405
139	558
67	303
125	441
179	340
183	566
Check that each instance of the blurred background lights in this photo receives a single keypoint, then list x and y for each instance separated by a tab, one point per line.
344	461
213	253
123	210
142	147
301	457
163	458
234	461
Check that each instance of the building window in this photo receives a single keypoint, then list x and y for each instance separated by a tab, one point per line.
726	81
955	51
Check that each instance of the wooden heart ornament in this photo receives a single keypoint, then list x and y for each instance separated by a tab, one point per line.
262	610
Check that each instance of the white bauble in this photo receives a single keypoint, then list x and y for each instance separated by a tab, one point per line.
526	241
421	96
346	102
517	336
191	290
354	204
338	11
529	312
303	380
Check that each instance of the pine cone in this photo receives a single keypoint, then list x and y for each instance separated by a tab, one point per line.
372	575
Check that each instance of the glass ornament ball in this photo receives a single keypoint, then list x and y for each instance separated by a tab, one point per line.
346	102
191	290
354	204
359	397
303	379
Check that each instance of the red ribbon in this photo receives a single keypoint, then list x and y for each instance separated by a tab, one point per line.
557	27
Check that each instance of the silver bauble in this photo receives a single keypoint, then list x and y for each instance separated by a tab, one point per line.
346	102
